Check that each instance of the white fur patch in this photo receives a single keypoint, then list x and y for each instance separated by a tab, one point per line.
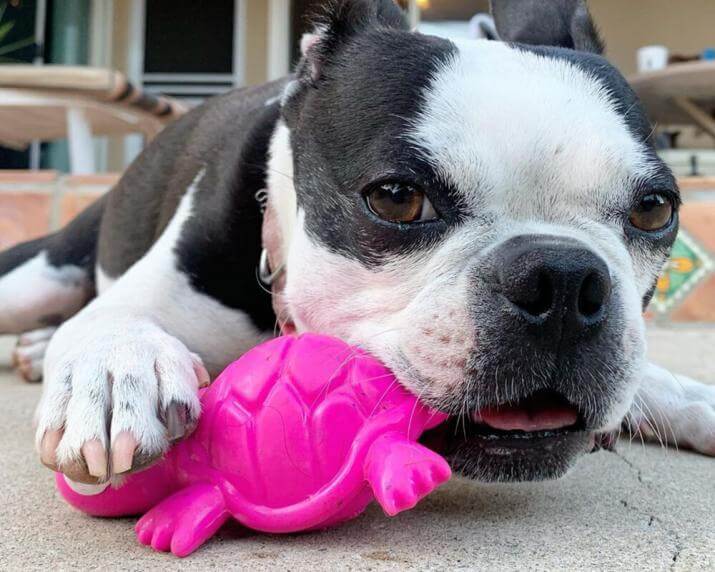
525	135
281	196
103	281
416	306
37	290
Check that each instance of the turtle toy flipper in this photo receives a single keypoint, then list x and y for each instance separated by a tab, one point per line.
300	433
401	472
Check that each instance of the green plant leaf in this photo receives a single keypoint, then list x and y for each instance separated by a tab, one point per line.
16	45
5	29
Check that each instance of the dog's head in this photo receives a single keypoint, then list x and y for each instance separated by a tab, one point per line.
487	218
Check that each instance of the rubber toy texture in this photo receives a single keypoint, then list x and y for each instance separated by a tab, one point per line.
301	433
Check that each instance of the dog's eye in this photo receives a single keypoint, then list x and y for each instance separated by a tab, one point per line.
654	212
399	202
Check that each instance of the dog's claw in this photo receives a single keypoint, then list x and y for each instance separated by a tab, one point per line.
176	421
48	448
123	453
202	375
96	458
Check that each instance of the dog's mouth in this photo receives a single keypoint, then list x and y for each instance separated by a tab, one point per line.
541	412
538	437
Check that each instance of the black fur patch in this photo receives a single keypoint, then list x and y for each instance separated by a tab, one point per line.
220	244
76	244
349	130
21	253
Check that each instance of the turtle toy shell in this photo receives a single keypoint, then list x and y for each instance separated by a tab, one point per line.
302	432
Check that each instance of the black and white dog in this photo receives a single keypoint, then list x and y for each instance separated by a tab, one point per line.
487	218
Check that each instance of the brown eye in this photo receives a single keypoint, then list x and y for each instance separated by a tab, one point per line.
399	202
654	212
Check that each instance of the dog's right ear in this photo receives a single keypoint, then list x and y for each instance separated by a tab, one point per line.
338	23
563	23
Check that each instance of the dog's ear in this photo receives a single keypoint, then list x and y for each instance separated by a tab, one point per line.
563	23
340	21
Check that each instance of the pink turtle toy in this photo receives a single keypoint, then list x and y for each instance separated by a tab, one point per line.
300	433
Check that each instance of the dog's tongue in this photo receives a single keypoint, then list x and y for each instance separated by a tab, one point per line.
521	418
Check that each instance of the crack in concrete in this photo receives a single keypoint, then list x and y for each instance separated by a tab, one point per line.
676	555
638	471
652	519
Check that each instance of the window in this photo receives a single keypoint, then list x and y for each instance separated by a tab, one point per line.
191	47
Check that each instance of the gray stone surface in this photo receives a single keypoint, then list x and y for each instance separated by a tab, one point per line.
639	509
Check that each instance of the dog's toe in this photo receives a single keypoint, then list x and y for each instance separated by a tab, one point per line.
29	354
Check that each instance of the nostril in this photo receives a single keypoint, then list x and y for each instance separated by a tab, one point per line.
541	297
593	294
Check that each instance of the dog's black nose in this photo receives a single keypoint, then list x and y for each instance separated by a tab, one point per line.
557	285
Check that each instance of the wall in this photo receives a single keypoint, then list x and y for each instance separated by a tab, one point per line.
256	41
453	9
684	26
34	203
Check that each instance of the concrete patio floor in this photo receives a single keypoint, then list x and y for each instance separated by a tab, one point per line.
638	509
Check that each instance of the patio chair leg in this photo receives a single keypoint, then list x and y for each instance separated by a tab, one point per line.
81	147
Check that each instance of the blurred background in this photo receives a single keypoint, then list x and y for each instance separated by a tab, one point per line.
85	84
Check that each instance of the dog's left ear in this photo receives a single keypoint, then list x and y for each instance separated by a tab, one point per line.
563	23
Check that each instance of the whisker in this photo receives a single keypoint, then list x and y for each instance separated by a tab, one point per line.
652	423
645	416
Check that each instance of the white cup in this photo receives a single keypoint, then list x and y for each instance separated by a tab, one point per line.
652	58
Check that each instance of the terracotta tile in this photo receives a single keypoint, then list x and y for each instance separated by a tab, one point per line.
25	216
73	203
699	305
696	183
101	180
23	177
698	218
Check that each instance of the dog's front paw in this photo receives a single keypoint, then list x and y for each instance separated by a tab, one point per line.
677	410
118	390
